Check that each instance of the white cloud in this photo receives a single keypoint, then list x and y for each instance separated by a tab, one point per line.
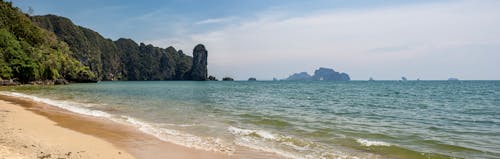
216	20
427	41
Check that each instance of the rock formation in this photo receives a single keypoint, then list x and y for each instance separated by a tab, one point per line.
252	79
302	76
329	74
321	74
227	79
60	82
212	78
199	69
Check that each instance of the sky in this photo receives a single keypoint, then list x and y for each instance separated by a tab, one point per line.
387	39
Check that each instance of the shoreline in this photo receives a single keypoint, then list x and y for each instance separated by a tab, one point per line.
111	136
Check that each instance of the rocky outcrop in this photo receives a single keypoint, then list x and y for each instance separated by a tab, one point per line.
8	82
321	74
404	78
328	74
302	76
212	78
199	69
227	79
252	79
60	82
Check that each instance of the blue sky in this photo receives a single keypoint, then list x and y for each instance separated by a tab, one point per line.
275	38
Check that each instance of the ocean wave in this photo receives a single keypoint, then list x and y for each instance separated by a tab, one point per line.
169	135
286	146
259	133
181	138
254	139
67	105
365	142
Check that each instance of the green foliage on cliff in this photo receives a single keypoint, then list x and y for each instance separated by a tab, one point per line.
29	53
122	59
50	47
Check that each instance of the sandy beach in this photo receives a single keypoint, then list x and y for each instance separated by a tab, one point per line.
36	130
24	134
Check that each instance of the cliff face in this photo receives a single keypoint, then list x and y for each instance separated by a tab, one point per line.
199	71
124	59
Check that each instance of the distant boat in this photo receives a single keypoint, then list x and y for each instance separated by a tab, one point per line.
453	79
371	79
275	79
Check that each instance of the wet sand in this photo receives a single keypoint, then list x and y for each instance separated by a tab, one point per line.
36	130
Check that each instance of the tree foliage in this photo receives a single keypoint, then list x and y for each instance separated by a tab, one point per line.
29	53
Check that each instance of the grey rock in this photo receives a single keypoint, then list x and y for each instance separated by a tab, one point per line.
404	78
302	76
212	78
199	70
328	74
9	82
60	82
227	79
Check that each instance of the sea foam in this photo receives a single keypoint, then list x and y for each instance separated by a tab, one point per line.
282	145
244	132
181	138
365	142
67	105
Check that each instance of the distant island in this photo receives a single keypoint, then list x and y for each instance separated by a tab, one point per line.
227	79
321	74
44	49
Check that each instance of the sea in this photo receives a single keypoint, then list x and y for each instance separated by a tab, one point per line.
298	119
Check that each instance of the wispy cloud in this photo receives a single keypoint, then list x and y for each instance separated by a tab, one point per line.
217	20
434	40
149	16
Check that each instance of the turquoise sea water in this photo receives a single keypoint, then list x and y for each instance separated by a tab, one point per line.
381	119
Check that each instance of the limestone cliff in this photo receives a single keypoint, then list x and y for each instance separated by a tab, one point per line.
199	69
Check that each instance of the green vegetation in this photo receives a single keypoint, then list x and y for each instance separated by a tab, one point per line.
30	53
52	47
122	59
